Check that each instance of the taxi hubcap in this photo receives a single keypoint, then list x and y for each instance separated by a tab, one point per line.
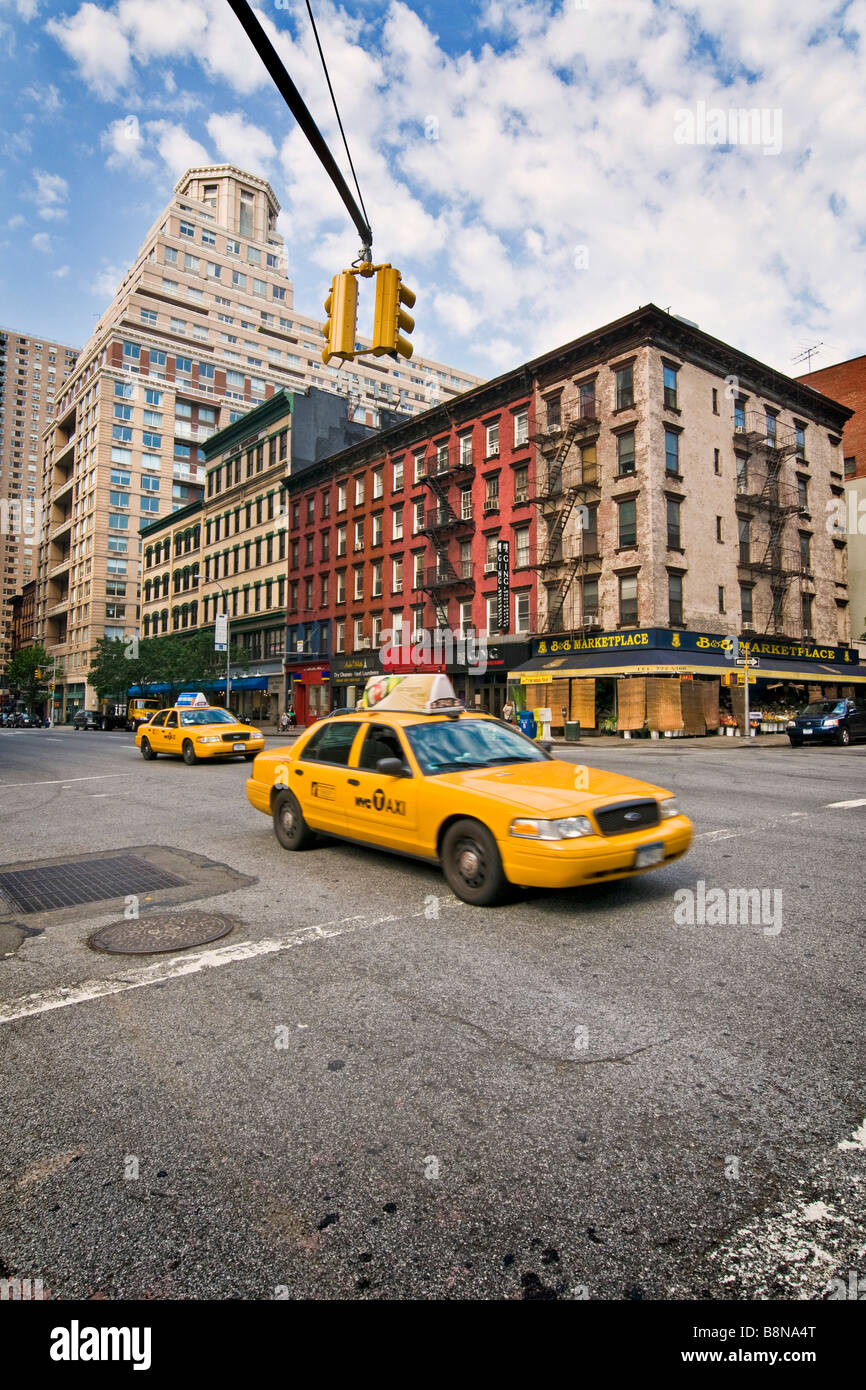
469	862
288	819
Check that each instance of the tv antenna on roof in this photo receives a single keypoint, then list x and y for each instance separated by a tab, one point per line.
807	354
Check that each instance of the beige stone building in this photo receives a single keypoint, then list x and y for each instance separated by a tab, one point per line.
201	330
32	370
682	484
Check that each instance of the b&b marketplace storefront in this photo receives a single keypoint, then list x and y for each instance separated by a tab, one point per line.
652	681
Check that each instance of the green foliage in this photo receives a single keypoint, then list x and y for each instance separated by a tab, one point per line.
175	660
21	675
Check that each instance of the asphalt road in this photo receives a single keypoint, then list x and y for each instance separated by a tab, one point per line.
389	1094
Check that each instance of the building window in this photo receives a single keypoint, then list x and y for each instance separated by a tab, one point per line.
521	428
675	599
492	442
586	398
742	474
521	611
803	492
491	494
377	529
850	467
721	598
397	477
359	491
397	524
245	220
627	514
746	604
670	387
378	483
806	601
805	550
359	581
800	436
397	576
377	579
589	598
624	453
745	535
341	540
521	487
521	547
717	461
625	388
715	401
341	586
628	598
672	451
418	575
492	606
340	635
673	519
739	417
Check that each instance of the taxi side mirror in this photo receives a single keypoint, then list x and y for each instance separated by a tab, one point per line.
392	767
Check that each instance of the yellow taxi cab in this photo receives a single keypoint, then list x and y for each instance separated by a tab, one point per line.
411	771
192	729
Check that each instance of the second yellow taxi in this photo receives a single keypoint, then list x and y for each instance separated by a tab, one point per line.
194	730
413	772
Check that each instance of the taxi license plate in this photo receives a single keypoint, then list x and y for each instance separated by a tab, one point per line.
649	854
239	747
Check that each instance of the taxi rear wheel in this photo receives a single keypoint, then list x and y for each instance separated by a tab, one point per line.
189	753
290	827
471	863
146	750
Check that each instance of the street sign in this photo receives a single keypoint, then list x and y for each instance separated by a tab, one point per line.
221	633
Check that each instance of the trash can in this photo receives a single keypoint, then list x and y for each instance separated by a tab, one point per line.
572	731
527	723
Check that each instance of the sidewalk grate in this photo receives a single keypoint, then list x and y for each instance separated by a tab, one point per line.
82	881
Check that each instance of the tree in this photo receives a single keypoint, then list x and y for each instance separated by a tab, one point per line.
174	660
28	674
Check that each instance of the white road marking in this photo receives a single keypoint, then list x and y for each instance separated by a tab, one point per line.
857	1140
65	781
844	805
733	834
178	966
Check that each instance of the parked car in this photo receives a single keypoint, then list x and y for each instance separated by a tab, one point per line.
828	721
87	719
20	720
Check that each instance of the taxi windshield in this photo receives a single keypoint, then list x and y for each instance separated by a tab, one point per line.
450	745
206	716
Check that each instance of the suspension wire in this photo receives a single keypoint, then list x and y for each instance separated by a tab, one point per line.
336	111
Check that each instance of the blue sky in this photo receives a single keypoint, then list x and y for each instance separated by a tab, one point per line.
535	169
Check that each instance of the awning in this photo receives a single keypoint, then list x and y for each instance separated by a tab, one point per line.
542	669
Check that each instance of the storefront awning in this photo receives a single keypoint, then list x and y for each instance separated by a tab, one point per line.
648	662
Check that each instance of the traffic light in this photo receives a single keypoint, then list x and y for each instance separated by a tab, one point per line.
341	306
389	317
38	673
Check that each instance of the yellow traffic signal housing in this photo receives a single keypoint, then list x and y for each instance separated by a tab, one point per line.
341	306
38	673
389	317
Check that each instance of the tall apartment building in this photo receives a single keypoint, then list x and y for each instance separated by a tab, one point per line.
32	370
201	330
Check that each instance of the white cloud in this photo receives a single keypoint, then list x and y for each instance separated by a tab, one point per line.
176	146
43	242
61	272
50	194
106	281
240	143
95	41
16	221
125	142
47	98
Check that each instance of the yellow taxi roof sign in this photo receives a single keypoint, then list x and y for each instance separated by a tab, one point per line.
415	694
191	699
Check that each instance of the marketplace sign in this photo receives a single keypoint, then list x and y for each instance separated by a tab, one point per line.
667	640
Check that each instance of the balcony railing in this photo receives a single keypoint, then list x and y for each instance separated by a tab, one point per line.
448	460
443	576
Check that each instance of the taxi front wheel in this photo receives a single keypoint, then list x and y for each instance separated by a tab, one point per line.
471	863
146	750
189	753
290	827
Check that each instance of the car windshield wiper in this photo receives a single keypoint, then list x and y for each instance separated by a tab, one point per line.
511	758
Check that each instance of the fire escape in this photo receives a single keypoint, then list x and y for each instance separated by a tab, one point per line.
442	524
563	483
763	492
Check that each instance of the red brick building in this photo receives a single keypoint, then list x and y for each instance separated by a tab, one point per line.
427	528
846	382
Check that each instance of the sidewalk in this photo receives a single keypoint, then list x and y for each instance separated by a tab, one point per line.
590	741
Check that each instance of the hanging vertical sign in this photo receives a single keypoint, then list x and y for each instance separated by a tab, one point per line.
220	633
503	585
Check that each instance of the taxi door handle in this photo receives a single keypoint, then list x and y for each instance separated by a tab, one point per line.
299	772
354	782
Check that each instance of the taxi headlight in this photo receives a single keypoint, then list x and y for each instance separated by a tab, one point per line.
208	738
669	807
569	828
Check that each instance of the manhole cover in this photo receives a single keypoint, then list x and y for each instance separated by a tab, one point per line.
166	931
83	881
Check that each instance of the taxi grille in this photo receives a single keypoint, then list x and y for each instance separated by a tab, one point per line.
234	738
628	815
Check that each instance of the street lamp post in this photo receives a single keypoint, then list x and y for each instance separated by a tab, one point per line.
228	645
